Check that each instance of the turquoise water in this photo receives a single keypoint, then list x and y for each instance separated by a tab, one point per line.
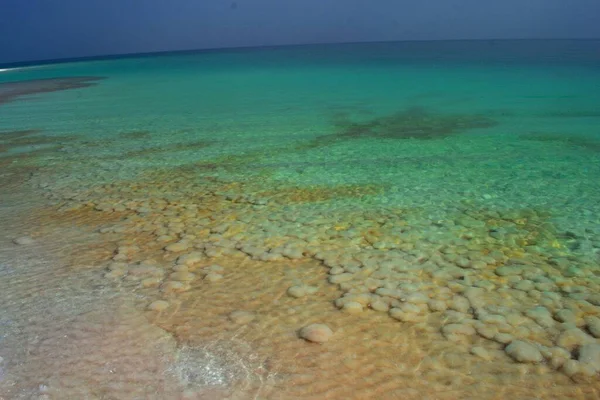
267	101
391	165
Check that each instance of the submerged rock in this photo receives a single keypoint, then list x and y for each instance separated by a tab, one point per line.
158	305
23	240
241	317
316	333
523	352
589	354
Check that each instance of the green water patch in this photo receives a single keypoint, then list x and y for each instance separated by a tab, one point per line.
11	91
17	134
30	140
564	113
571	141
150	151
412	123
135	135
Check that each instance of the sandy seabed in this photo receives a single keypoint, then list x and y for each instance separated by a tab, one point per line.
78	322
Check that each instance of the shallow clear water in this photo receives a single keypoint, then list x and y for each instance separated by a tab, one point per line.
435	202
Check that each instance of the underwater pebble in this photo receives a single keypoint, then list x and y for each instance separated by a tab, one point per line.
401	315
437	305
410	308
181	268
151	282
379	305
117	265
571	368
524	285
293	253
214	268
542	316
213	277
116	273
158	305
145	270
345	277
296	291
508	270
523	352
190	258
317	333
417	298
177	247
125	252
495	319
174	287
565	315
558	356
481	352
23	240
503	338
241	317
572	338
589	354
352	307
593	325
182	276
573	272
460	304
487	331
301	290
455	332
336	271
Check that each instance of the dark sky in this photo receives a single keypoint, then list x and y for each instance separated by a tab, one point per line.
49	29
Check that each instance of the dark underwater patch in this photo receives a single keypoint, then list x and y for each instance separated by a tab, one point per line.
11	91
411	123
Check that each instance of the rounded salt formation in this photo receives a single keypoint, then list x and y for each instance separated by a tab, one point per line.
316	333
175	287
23	240
296	291
301	290
593	325
571	367
150	282
589	354
241	317
523	352
181	268
403	316
213	277
379	305
158	305
177	247
182	276
481	352
352	307
573	338
456	332
115	273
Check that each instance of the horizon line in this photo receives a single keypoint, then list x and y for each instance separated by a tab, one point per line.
51	61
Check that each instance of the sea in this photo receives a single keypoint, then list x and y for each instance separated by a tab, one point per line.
395	220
